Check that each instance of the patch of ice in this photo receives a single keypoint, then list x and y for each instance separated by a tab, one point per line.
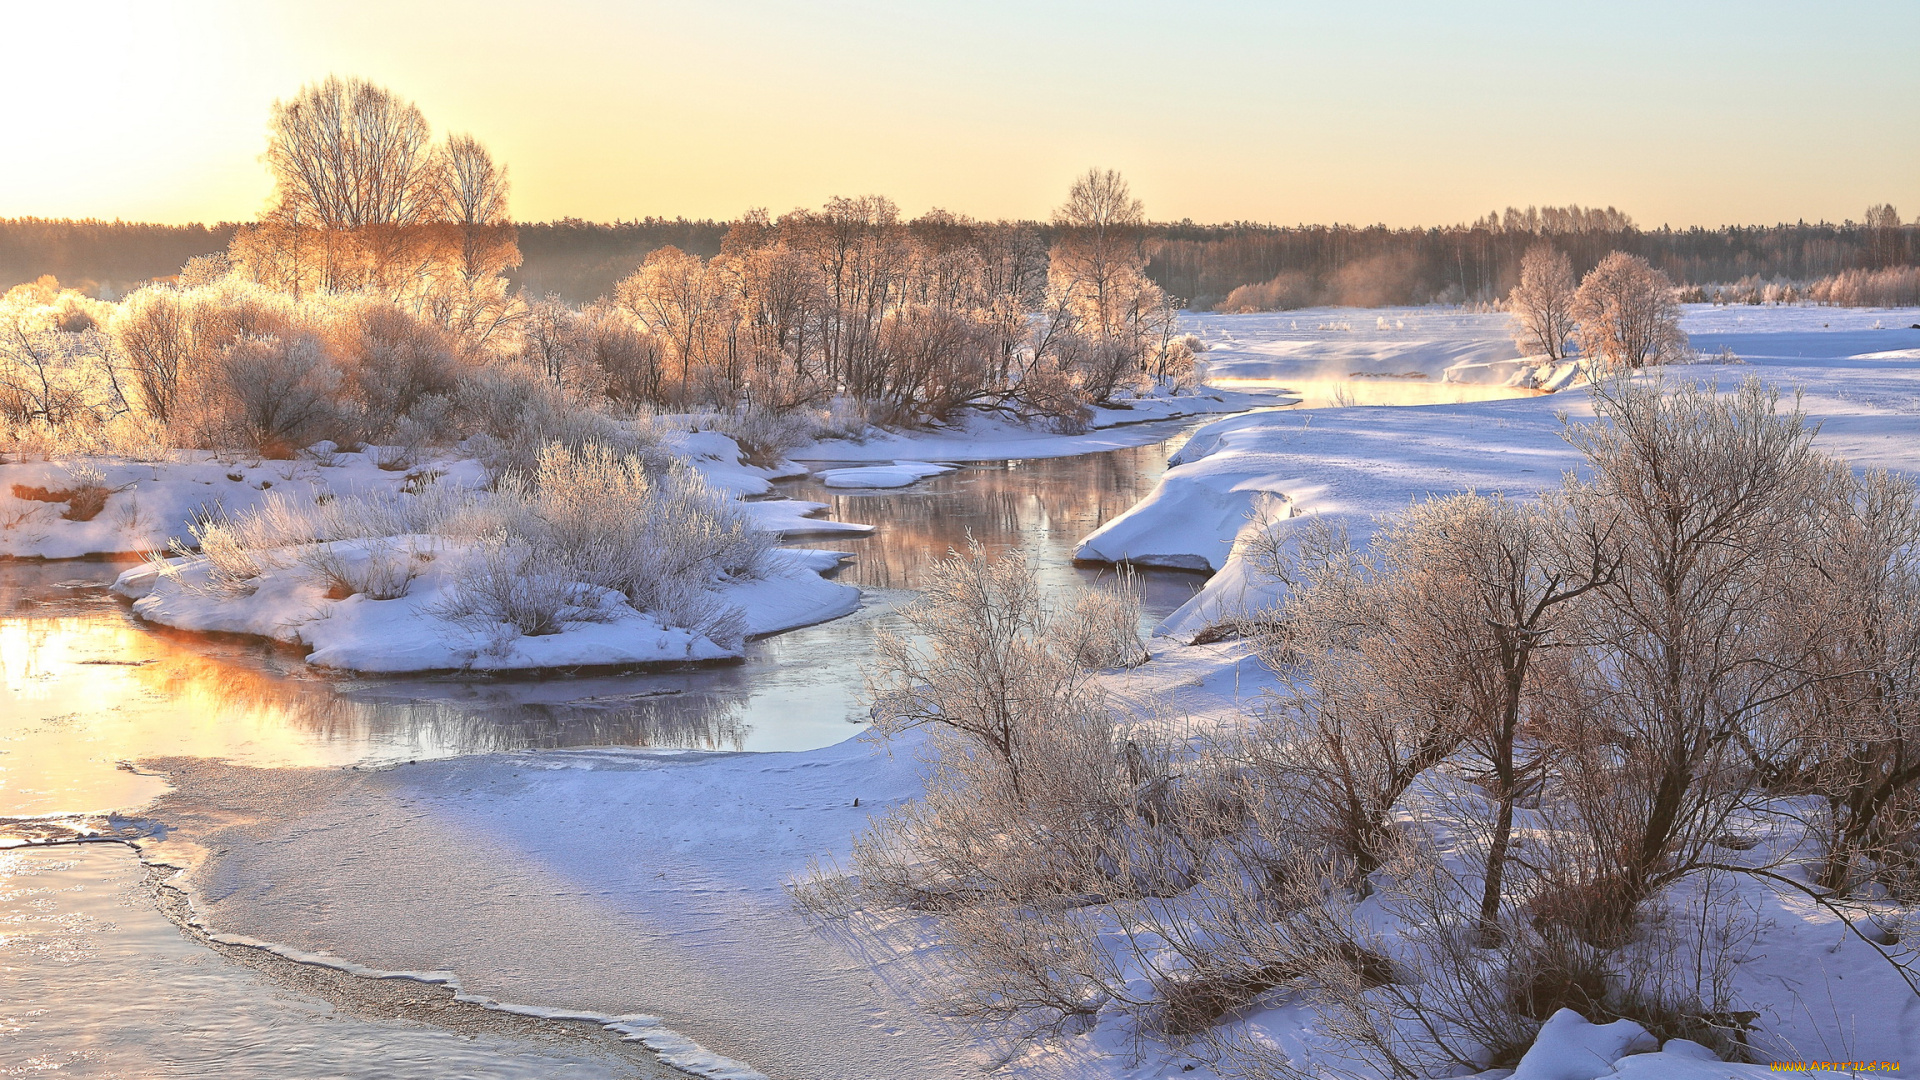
898	474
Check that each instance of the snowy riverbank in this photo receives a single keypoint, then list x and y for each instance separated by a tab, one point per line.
617	882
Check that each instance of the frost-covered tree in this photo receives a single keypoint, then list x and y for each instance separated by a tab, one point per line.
1099	253
1542	304
363	198
1627	314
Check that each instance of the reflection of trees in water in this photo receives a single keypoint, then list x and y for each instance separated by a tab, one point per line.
1041	506
702	712
451	716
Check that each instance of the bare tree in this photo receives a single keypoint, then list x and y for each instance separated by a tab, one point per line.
1886	246
354	161
472	196
348	153
1542	304
1696	638
1628	315
1859	722
1099	253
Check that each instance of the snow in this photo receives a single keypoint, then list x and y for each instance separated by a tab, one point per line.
1570	1048
1338	343
796	518
407	634
898	474
981	437
1351	465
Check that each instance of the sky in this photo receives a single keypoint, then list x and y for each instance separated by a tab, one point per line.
1682	113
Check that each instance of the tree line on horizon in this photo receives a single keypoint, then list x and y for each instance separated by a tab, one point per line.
1200	265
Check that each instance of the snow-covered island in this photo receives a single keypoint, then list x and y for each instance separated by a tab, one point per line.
430	571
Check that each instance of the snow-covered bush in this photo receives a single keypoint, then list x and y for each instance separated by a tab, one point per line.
58	390
381	569
514	415
1101	628
663	541
503	584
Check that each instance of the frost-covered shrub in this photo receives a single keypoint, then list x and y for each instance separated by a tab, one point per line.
394	361
1897	286
1039	806
514	414
663	541
1101	628
765	436
57	385
379	569
504	582
272	395
551	545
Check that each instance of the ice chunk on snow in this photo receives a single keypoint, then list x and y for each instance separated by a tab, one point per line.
1570	1048
792	518
898	474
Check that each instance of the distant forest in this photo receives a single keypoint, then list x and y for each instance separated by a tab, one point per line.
1237	266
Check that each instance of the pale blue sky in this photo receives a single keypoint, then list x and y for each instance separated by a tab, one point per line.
1688	113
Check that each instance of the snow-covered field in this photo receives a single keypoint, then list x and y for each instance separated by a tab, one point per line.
620	882
1859	371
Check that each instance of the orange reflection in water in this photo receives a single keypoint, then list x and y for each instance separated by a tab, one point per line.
1041	507
84	692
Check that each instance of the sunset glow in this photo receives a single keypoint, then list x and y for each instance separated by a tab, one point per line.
1217	111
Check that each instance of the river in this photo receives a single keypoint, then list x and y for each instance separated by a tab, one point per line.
97	981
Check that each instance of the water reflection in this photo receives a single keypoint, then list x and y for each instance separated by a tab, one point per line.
1039	507
84	688
84	693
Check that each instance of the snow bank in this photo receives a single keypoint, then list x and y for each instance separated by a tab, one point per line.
796	518
898	474
409	633
1273	469
148	505
1570	1048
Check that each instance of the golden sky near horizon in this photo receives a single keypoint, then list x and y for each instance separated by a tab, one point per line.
1403	113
